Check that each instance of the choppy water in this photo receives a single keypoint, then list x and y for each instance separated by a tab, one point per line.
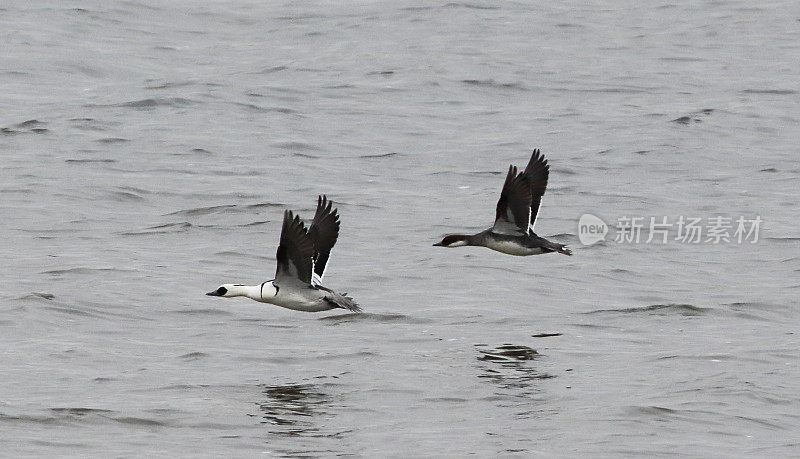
149	149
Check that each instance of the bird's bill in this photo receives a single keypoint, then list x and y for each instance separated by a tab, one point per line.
214	293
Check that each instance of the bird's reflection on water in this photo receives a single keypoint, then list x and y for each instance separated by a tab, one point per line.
295	407
511	369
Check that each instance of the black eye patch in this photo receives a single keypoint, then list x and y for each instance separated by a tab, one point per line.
221	291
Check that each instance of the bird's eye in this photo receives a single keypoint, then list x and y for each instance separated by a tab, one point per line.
222	291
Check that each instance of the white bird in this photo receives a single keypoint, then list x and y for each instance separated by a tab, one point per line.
302	258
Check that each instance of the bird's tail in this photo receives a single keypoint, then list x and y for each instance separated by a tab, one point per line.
342	301
563	249
560	248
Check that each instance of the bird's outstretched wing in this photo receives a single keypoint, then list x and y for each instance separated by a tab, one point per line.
514	206
295	252
324	232
537	171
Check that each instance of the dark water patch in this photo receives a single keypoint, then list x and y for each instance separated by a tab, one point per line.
658	309
86	271
34	126
783	239
546	335
150	103
769	169
611	90
255	223
37	296
198	211
260	109
373	317
194	356
416	8
168	228
91	124
296	146
30	124
274	69
664	414
682	59
494	84
687	120
264	205
382	73
780	92
471	6
203	311
24	418
110	140
506	352
144	422
384	155
484	173
89	161
79	411
225	208
72	311
123	196
758	310
169	84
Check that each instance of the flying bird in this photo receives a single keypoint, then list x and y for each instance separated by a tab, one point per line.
302	259
519	203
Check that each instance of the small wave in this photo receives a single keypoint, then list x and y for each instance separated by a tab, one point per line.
494	84
203	312
471	6
260	109
169	84
79	411
156	102
37	295
296	146
197	211
660	309
384	155
87	161
277	68
30	124
140	421
112	140
781	92
193	356
225	208
373	317
687	120
168	228
124	196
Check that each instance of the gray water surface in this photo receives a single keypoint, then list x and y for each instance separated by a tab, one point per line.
150	148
